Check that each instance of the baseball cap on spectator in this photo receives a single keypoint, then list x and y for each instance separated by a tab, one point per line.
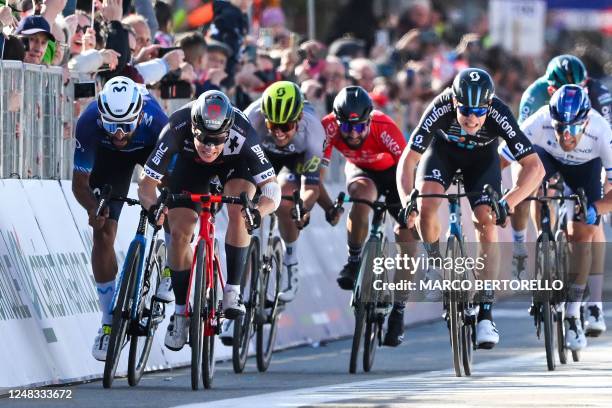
34	24
214	45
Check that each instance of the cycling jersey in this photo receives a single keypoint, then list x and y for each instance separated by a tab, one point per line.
381	149
241	148
536	96
90	135
303	153
595	143
440	120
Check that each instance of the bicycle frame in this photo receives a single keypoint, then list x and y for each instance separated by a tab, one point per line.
206	233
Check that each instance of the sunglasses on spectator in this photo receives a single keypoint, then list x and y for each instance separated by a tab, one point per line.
574	129
126	128
346	127
81	28
283	127
476	111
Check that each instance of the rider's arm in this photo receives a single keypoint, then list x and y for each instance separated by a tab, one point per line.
406	169
84	156
529	178
604	205
311	175
270	196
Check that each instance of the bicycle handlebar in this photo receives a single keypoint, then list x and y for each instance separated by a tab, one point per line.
106	196
579	198
343	198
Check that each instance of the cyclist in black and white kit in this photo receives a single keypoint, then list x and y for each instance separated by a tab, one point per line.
293	138
211	138
459	131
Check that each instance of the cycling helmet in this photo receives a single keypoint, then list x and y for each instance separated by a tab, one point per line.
212	113
473	87
569	104
282	102
353	104
565	69
120	101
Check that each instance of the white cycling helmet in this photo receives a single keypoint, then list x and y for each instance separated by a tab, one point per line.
120	101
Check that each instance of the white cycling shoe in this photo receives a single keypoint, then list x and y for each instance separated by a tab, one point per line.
433	275
178	329
487	335
595	324
227	332
100	346
232	304
164	290
293	280
574	335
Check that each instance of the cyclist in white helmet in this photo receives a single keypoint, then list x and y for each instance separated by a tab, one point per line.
113	134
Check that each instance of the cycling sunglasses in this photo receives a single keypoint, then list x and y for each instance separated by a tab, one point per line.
81	28
477	111
574	129
126	128
283	127
213	140
346	127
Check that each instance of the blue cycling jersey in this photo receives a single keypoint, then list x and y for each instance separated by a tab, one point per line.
90	135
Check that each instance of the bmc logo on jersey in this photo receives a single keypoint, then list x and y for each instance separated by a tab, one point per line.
260	154
159	154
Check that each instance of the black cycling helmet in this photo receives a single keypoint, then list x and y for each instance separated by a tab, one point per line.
565	69
212	113
352	104
473	87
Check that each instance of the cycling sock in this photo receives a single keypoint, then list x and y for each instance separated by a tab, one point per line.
595	289
433	249
180	283
236	260
235	288
518	237
354	251
485	312
290	253
106	291
576	292
179	309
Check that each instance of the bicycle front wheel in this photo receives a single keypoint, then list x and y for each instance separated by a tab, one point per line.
545	264
374	318
454	312
121	314
268	306
195	325
150	314
211	323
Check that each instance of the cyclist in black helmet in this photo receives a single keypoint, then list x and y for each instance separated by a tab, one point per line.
211	138
459	131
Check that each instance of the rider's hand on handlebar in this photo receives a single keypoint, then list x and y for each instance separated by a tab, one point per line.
97	222
152	213
304	221
408	216
254	221
504	211
333	214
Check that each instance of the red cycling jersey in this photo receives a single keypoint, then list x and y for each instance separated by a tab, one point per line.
381	149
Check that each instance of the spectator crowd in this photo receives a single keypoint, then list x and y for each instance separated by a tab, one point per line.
242	46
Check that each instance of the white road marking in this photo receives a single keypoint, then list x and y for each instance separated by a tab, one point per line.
517	381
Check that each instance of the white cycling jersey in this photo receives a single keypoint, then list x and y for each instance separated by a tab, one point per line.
595	143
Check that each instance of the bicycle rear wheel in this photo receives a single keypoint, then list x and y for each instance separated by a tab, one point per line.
268	306
545	264
562	273
195	325
211	324
243	326
121	314
454	312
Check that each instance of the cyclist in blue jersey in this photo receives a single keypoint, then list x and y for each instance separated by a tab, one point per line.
113	134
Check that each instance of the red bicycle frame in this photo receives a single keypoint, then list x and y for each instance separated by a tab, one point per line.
206	233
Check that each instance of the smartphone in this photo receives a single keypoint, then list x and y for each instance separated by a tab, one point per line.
382	38
163	51
84	90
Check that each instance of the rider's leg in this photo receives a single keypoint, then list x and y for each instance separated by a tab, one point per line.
519	220
289	233
104	266
182	222
237	242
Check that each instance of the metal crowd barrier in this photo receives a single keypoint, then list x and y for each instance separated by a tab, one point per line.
36	122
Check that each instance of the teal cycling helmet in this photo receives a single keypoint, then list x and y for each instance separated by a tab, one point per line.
565	69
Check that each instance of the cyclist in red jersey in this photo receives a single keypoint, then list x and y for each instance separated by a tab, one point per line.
372	144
